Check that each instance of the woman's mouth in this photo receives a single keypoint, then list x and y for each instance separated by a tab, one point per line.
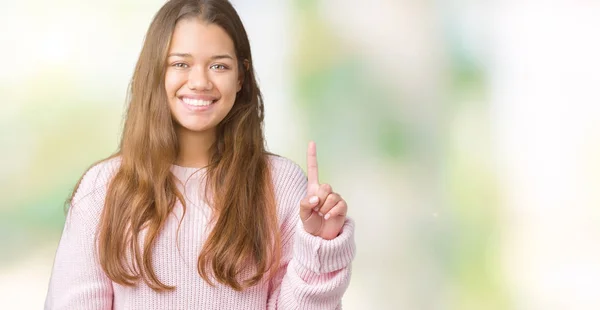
197	104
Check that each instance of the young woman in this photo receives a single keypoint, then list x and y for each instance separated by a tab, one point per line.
192	212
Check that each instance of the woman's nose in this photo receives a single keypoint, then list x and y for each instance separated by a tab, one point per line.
198	79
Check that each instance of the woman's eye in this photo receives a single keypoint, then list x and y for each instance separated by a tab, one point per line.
218	67
180	65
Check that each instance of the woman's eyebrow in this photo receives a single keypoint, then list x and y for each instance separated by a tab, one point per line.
215	57
188	55
180	55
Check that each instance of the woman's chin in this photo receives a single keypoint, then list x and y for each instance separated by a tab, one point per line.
197	129
190	127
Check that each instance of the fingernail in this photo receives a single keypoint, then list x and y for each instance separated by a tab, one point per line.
327	216
320	214
316	209
313	199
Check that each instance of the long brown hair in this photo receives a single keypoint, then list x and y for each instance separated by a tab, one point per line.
143	191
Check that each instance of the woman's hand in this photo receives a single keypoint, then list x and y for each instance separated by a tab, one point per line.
322	211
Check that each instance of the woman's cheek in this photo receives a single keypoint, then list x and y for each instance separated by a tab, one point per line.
229	85
172	82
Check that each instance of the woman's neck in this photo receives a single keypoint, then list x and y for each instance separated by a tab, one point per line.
194	148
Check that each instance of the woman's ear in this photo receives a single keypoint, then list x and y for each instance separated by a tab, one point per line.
246	68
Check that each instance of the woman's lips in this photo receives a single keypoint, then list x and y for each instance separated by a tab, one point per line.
195	105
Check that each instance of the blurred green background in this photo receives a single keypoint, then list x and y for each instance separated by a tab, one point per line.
465	136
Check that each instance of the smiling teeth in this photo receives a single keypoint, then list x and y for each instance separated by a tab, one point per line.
196	102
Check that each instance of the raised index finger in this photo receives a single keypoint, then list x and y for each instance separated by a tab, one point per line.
311	161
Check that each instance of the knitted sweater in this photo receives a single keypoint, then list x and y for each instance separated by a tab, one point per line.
314	272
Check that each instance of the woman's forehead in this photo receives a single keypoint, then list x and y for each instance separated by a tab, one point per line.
200	39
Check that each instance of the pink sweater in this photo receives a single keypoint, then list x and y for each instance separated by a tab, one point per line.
314	272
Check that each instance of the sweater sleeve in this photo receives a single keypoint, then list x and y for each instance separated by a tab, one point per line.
315	272
77	280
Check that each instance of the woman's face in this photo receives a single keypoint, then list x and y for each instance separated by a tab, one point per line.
202	77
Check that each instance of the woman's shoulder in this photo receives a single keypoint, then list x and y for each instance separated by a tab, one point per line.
289	182
96	178
283	168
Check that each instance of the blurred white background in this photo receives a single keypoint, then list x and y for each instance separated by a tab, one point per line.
465	136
